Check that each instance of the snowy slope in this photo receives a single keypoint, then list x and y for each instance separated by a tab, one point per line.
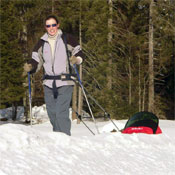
36	150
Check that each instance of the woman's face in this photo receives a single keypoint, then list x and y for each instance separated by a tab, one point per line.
52	26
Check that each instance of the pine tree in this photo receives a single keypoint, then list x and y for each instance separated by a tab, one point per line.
11	90
164	32
115	41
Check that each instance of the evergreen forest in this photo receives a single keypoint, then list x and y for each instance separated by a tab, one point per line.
129	48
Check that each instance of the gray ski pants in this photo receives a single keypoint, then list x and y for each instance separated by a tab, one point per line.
58	109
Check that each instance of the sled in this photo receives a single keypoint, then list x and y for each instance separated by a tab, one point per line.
142	122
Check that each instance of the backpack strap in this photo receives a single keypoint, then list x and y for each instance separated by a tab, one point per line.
42	51
42	45
67	51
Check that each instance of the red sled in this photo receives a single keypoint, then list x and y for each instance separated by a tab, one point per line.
142	122
141	129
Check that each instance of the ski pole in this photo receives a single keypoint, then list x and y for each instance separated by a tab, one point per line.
30	98
79	116
106	114
82	87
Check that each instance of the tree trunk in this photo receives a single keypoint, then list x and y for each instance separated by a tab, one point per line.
139	85
144	92
74	103
53	9
25	56
80	96
109	76
151	62
14	110
173	57
130	80
174	70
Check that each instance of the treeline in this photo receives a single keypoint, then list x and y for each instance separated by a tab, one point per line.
128	47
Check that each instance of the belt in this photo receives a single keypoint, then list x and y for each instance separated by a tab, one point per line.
63	77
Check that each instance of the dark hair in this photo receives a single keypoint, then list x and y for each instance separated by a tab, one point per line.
52	17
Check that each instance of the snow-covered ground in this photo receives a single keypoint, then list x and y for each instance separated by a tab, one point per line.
36	150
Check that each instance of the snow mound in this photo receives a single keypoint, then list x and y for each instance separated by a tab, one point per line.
109	127
26	150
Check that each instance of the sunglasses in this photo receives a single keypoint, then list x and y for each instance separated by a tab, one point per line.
53	25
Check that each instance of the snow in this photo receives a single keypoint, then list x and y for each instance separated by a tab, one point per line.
36	150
